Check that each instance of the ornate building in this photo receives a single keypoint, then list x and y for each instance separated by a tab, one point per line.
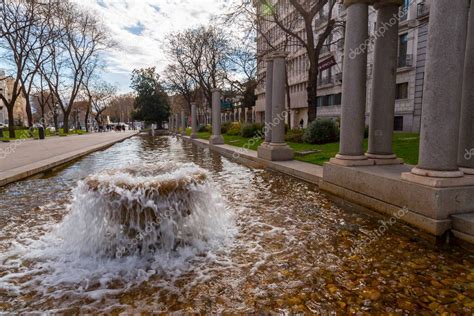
412	38
19	111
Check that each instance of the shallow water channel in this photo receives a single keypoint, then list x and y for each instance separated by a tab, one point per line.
252	241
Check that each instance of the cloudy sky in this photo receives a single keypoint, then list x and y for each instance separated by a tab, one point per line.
140	27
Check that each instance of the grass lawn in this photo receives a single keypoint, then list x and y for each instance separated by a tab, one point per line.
24	134
405	145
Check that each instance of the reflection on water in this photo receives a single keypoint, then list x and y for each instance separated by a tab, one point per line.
283	247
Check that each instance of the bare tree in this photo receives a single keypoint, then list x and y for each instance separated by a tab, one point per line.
43	99
82	38
201	54
179	82
308	24
121	107
100	97
91	80
24	35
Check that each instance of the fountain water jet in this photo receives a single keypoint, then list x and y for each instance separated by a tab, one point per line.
143	209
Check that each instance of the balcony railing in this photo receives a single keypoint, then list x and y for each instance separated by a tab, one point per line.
422	10
403	14
334	79
405	61
324	81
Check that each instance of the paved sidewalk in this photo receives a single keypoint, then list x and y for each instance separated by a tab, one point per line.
23	158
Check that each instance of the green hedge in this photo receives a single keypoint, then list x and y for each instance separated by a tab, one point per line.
295	136
234	129
205	128
321	131
251	130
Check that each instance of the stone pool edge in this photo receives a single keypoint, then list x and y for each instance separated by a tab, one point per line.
30	170
432	229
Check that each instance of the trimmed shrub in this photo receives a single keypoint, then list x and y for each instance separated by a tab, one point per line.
205	128
321	131
234	129
295	135
251	130
225	127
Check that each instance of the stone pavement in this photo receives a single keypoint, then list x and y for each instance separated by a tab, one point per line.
23	158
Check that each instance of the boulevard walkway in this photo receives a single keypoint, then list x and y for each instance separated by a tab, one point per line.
23	158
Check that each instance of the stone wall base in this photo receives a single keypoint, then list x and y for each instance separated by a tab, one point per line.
275	152
382	189
216	140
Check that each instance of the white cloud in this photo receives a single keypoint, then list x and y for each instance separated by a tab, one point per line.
140	28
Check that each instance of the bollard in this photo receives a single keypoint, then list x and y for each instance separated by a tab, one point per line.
41	132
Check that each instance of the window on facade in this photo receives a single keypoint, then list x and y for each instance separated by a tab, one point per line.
403	50
398	123
319	101
402	91
338	99
404	10
331	99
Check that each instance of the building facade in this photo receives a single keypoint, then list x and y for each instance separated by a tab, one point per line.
413	35
19	110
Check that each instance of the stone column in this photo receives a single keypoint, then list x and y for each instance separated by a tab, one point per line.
268	101
183	124
466	141
354	85
194	121
277	150
382	110
439	139
216	138
176	123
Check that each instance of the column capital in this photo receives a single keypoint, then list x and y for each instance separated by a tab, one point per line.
348	3
279	54
268	58
383	3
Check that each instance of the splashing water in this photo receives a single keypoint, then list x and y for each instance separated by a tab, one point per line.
143	209
128	224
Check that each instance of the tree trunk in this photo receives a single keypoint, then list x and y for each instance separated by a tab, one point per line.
11	122
29	113
312	91
43	118
288	98
87	119
66	123
55	119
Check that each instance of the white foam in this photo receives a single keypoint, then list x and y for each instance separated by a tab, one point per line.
89	249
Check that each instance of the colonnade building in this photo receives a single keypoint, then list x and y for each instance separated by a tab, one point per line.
412	39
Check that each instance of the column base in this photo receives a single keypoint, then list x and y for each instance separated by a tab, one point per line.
437	174
438	179
193	136
383	160
275	152
351	161
216	140
469	171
